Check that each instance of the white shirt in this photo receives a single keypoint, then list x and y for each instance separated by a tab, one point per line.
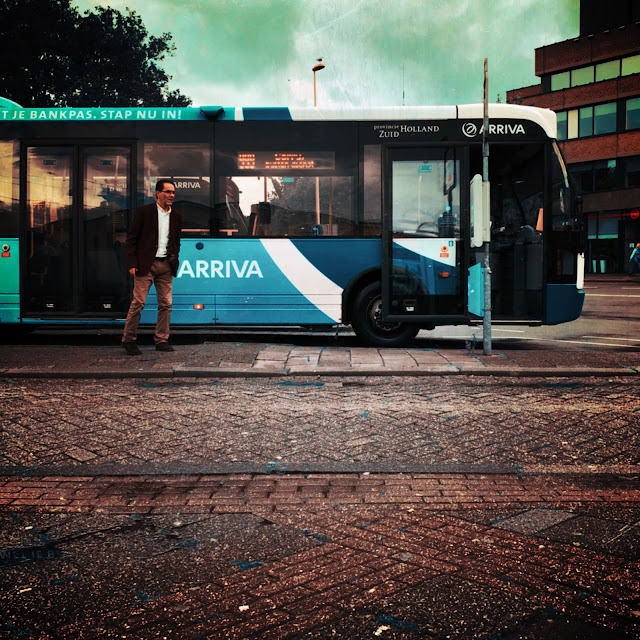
163	232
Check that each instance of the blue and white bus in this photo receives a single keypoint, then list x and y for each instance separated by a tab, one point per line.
292	217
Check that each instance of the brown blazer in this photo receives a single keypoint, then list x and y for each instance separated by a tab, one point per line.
142	239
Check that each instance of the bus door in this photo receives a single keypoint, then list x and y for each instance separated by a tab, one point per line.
424	256
78	199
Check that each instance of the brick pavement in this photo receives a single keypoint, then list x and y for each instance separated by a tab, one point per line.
326	555
248	492
320	424
163	507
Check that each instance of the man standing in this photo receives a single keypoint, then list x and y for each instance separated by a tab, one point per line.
153	244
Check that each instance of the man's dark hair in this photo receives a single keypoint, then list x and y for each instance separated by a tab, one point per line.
160	184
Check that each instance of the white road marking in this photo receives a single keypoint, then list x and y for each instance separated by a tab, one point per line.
542	339
609	338
599	344
611	295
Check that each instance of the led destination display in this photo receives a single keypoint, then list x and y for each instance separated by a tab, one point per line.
285	160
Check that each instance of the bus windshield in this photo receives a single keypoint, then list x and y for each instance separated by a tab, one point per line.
564	218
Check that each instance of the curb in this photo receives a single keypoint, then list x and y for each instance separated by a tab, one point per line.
181	372
200	469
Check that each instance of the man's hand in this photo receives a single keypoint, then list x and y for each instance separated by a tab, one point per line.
132	271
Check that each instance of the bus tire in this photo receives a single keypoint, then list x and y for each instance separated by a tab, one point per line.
366	322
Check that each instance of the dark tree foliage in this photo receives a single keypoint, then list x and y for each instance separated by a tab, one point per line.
53	56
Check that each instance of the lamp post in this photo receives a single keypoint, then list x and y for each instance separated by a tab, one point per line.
316	67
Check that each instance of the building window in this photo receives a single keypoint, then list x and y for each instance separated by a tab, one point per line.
582	175
572	126
562	125
604	118
631	65
607	70
633	113
590	177
586	122
560	81
598	73
605	175
582	76
589	121
603	226
632	172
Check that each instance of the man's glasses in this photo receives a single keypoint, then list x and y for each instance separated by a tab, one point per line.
173	193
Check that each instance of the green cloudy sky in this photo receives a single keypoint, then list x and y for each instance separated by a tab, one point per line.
377	52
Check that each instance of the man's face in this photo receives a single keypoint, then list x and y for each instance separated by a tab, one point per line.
166	195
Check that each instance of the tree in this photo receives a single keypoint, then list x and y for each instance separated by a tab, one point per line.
53	56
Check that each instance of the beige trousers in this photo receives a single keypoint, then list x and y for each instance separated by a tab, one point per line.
161	276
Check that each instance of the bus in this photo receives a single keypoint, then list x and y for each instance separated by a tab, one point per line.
291	217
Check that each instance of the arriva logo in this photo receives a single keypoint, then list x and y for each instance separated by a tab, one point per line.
471	130
187	184
220	269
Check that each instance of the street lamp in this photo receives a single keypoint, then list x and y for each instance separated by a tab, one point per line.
316	67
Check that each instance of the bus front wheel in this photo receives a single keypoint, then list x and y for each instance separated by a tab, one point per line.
368	325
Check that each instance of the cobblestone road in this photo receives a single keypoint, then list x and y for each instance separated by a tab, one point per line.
390	424
399	508
321	556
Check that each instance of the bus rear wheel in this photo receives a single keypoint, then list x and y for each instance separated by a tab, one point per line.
368	325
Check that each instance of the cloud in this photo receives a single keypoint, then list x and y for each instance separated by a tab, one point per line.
377	52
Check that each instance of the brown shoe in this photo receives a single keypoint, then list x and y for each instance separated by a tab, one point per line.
164	346
131	348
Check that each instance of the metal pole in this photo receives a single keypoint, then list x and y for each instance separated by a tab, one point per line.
315	100
317	67
486	320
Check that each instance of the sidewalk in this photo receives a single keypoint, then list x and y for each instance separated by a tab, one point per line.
104	358
349	557
288	509
224	354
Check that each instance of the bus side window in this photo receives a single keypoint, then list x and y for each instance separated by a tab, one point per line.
292	206
187	165
371	223
9	197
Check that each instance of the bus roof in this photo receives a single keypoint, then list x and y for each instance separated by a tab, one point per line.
545	118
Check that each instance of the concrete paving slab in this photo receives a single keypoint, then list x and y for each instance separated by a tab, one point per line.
226	359
534	520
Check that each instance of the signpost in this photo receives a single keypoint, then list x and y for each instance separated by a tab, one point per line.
486	320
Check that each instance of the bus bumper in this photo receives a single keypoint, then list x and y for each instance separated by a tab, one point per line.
563	303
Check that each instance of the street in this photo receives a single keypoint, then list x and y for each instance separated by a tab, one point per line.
244	489
359	424
610	319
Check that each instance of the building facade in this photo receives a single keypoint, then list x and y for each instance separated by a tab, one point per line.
592	82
